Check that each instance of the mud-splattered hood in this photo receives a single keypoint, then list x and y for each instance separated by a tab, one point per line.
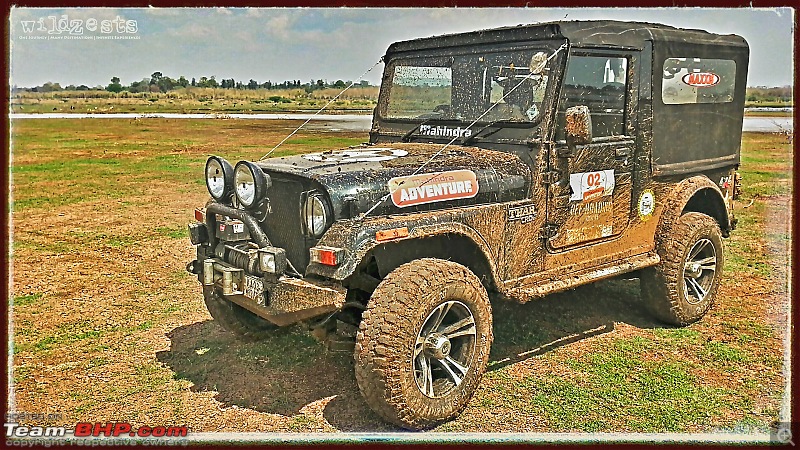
416	176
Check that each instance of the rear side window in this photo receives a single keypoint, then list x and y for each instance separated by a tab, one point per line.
696	80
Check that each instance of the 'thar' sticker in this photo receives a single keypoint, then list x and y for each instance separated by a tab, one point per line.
433	187
647	204
523	214
591	185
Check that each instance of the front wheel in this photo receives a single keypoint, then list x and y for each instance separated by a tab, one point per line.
239	321
423	343
682	288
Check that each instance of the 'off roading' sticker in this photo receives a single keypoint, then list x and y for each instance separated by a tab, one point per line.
647	204
591	185
374	154
589	220
433	187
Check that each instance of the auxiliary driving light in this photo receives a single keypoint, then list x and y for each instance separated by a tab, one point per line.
272	260
251	183
219	177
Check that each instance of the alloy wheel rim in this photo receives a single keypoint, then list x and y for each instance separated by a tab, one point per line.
699	271
444	348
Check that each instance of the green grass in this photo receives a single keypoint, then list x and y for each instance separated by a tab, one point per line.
27	299
646	383
65	338
172	232
195	100
161	360
290	349
656	397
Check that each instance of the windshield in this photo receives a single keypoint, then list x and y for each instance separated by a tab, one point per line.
464	87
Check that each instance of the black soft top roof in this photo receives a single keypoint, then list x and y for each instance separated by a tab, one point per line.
585	33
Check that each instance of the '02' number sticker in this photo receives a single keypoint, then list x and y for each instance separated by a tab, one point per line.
588	186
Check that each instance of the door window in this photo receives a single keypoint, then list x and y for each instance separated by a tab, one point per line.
598	82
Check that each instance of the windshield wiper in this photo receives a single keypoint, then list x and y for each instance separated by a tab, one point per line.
472	136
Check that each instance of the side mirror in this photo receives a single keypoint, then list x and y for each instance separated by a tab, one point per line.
578	126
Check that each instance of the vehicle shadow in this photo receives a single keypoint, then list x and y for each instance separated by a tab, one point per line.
286	372
280	374
522	331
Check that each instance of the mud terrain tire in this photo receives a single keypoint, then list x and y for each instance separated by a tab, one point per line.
427	325
691	265
237	320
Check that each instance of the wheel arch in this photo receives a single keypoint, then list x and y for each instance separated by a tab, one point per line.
449	245
695	194
710	202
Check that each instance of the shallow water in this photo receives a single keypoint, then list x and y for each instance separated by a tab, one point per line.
343	122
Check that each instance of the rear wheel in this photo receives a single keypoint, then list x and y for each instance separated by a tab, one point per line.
423	343
682	288
239	321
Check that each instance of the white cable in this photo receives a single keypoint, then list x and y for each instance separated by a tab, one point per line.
322	109
527	77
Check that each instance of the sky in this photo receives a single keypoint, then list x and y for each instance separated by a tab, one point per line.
277	44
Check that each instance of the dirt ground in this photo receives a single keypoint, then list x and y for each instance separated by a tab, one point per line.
108	326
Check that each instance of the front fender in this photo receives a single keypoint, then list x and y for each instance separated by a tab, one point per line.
358	237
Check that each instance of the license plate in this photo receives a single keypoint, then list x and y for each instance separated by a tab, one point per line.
254	289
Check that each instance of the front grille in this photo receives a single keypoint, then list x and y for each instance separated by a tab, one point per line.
284	226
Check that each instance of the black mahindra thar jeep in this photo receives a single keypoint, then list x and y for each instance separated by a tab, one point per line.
501	164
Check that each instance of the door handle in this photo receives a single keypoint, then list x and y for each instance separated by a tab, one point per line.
622	152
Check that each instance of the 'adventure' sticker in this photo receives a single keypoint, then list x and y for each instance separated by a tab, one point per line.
433	187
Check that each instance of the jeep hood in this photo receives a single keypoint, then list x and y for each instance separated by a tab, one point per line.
357	178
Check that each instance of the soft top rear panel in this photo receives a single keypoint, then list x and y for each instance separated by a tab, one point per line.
693	137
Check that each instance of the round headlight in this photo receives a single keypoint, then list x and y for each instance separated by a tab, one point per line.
219	177
250	183
314	215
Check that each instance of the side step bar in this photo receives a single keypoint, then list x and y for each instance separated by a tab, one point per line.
528	292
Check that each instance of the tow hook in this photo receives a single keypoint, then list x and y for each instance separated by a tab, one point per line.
194	267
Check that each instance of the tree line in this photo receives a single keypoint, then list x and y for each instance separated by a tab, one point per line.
159	82
769	94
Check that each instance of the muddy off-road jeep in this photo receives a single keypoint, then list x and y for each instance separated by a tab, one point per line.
515	162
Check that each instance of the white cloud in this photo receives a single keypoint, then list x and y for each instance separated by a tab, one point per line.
194	31
164	12
334	43
253	12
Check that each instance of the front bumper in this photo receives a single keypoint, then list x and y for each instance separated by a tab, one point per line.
282	301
